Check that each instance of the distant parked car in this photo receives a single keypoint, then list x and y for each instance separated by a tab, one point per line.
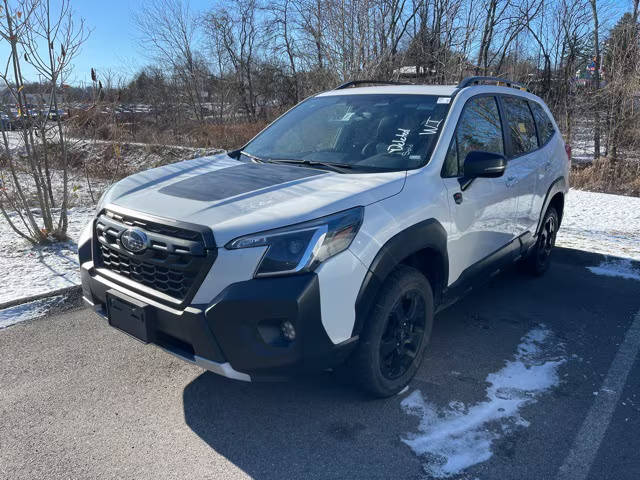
6	122
16	120
55	114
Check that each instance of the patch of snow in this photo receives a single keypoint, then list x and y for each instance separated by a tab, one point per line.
459	436
27	311
29	270
601	223
617	268
582	146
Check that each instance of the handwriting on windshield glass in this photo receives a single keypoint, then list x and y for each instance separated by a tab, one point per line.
397	144
430	127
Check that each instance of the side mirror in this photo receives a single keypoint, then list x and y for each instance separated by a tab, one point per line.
484	164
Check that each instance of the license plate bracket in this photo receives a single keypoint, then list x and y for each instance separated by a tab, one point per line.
129	315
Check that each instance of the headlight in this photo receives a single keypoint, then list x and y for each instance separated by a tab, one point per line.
303	246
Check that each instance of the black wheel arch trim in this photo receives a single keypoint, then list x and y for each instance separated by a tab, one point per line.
426	234
559	185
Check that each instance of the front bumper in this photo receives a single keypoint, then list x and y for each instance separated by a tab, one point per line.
238	334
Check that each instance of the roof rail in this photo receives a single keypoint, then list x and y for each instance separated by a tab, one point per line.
354	83
467	82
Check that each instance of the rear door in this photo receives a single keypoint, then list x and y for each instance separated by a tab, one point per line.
525	162
548	155
483	214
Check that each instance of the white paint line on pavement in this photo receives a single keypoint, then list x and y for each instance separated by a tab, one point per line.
586	444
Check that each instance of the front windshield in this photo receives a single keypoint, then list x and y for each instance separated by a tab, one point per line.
364	132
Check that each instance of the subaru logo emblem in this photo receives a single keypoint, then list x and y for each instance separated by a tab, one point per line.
134	240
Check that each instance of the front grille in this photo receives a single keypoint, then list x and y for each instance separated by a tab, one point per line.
153	227
173	264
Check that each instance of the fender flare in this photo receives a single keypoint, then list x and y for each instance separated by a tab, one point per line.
426	234
559	185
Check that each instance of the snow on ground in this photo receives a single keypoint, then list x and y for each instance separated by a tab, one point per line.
79	193
582	146
617	268
601	223
130	157
458	436
29	270
27	311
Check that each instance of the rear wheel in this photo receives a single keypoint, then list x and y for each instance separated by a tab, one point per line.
395	336
540	257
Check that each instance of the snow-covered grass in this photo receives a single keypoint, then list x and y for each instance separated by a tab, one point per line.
582	146
458	436
29	270
27	311
617	268
101	160
601	223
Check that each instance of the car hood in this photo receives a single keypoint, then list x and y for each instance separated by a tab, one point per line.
235	198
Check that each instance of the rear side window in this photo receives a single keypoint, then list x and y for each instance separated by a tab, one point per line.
479	128
522	129
544	123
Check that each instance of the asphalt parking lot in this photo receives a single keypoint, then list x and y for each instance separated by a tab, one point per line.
81	400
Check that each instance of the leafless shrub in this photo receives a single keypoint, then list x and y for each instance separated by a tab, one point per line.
47	39
603	175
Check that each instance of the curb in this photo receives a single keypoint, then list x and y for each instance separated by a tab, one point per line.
61	291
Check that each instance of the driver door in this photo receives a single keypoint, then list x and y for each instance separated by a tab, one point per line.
483	214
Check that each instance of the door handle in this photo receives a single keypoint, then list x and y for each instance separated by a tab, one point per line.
511	181
547	165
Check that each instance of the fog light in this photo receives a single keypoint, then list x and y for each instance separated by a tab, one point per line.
288	331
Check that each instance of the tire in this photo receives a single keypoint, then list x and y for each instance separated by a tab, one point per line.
394	338
539	259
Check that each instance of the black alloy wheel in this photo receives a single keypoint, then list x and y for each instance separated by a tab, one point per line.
395	334
540	257
547	238
403	335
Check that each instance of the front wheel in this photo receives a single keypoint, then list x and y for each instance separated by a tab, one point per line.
540	257
395	336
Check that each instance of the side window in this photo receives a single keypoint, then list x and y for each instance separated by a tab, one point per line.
544	123
478	128
522	129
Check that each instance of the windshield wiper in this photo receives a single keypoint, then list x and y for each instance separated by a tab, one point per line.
336	167
252	157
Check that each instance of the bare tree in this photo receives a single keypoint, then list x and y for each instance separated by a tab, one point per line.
168	31
48	39
236	26
60	30
596	51
281	30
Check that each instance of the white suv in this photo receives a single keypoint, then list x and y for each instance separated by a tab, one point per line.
334	235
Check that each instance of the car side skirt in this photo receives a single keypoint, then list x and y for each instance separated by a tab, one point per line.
482	271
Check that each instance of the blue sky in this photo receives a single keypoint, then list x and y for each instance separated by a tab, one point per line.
113	42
